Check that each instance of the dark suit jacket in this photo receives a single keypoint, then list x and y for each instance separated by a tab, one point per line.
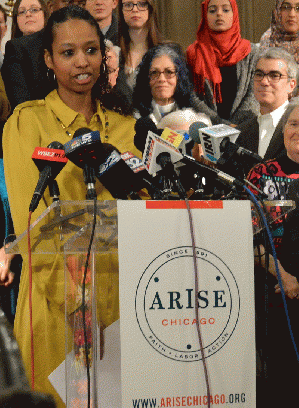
249	137
112	33
23	71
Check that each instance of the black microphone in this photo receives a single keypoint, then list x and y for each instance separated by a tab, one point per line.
142	127
50	161
146	180
230	147
84	150
223	177
164	160
54	190
123	174
116	175
220	175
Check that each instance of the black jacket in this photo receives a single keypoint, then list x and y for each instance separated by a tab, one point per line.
24	71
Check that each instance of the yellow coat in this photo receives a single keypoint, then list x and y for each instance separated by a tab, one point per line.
33	124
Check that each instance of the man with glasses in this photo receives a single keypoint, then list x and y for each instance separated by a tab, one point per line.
23	71
275	80
103	12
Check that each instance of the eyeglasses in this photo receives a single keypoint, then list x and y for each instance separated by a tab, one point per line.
168	73
32	10
273	76
287	7
141	5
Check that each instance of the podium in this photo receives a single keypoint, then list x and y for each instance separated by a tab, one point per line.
84	233
66	228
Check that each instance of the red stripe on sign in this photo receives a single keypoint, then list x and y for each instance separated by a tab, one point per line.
180	204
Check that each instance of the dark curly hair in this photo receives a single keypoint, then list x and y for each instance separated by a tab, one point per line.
102	89
184	94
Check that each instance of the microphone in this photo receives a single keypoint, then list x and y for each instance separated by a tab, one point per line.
172	137
54	190
211	138
181	141
218	144
84	150
194	131
50	161
137	166
116	175
220	175
229	148
217	140
160	155
155	146
142	127
85	146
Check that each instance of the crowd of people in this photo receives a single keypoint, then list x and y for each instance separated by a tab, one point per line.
105	65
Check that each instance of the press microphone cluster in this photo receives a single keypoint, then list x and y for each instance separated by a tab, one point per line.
121	175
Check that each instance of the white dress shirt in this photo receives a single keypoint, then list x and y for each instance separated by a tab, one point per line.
267	125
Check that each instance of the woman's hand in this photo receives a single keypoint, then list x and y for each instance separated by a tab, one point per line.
290	286
197	152
6	275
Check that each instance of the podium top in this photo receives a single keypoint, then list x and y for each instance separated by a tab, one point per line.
67	226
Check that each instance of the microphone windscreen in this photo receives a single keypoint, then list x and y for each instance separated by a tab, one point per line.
56	145
81	131
193	131
142	127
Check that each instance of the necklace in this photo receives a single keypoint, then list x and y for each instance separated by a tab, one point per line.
106	124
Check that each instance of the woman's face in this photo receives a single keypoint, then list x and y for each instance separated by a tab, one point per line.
163	80
30	18
290	16
291	135
76	57
136	18
220	15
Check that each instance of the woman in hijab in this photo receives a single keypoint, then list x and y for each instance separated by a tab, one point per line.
284	29
223	63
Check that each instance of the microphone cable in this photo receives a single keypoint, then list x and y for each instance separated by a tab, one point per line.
196	308
85	333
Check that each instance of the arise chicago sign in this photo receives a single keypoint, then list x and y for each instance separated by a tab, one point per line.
164	312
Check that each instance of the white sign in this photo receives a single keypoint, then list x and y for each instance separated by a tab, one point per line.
163	364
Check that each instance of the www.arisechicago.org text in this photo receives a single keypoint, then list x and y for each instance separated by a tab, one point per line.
189	401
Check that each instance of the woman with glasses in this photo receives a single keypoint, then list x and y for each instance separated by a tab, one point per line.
29	16
163	84
284	29
138	31
222	63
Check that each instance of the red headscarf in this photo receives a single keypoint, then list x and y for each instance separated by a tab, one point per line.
214	49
